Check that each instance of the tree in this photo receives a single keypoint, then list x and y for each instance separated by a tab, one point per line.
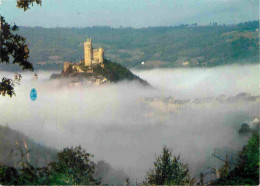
107	175
246	171
25	4
77	164
73	166
168	170
14	46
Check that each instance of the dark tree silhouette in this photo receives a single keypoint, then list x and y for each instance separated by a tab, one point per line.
25	4
13	46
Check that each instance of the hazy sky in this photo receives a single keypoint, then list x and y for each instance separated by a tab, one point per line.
134	13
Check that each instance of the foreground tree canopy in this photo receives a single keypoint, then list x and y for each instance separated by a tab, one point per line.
75	166
247	169
25	4
169	170
13	47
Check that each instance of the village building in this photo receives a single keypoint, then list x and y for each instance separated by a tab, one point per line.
35	77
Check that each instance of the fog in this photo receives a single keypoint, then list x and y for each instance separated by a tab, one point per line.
203	82
110	121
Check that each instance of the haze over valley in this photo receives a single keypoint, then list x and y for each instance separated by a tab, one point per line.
112	122
129	92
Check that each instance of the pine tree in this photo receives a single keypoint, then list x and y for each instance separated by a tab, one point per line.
169	170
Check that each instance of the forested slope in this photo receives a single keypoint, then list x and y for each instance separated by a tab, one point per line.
16	147
185	45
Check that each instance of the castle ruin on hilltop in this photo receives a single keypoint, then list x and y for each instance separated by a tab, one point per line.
92	57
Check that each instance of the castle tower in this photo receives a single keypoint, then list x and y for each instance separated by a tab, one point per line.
88	53
101	55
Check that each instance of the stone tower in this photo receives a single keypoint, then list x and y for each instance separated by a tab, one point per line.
93	56
101	55
88	53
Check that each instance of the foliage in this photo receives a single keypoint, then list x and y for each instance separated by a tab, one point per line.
114	72
224	170
244	129
108	175
7	87
199	45
29	175
74	166
169	170
76	163
14	46
247	170
11	144
25	4
249	25
8	175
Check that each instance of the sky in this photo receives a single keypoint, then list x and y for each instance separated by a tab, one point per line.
130	13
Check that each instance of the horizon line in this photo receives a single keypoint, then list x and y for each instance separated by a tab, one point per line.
131	27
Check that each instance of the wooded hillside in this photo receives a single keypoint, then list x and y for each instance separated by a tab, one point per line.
185	45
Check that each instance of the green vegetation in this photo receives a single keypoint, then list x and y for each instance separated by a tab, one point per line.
244	129
115	72
14	147
73	166
247	170
25	4
169	170
156	46
76	165
13	48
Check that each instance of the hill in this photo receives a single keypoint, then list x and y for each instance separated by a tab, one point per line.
14	146
178	46
112	72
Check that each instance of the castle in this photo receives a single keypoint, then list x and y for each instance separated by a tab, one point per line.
92	57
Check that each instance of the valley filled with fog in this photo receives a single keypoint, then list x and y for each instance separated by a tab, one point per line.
112	123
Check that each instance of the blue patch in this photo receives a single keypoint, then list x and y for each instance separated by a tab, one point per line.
33	94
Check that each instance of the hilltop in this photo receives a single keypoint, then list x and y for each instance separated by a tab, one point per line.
96	69
112	72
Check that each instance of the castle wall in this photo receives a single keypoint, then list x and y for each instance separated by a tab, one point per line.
67	66
101	55
95	54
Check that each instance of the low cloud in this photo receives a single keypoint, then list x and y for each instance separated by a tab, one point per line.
113	123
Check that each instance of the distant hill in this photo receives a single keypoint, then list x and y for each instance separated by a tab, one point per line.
14	143
184	45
